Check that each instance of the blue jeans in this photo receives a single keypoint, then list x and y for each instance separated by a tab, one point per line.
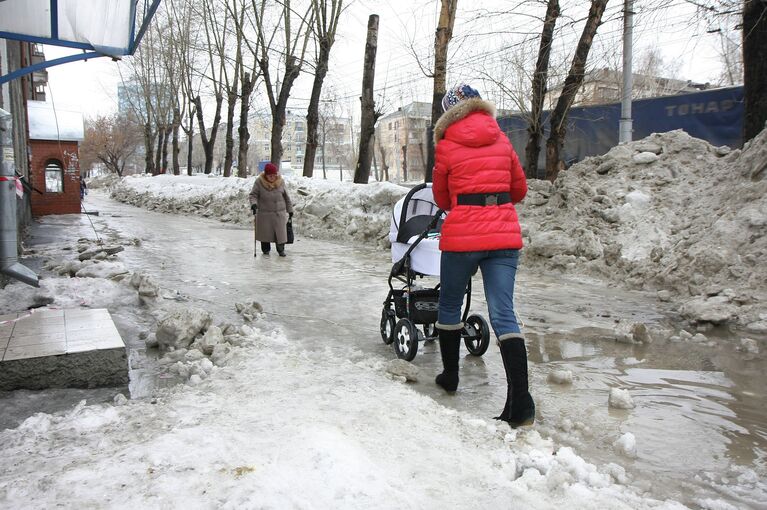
499	270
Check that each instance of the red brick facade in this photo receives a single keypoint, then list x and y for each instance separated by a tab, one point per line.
66	156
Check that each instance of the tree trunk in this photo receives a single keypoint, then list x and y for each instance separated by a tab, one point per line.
190	139
535	129
324	171
158	154
404	163
148	148
368	115
384	166
441	39
176	148
754	67
229	137
375	163
165	139
313	116
572	84
244	133
292	70
209	142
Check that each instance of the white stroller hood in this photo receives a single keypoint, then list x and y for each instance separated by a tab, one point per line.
420	208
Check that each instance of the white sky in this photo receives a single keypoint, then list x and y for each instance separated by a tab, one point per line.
92	86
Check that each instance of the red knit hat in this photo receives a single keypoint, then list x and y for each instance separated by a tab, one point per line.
270	169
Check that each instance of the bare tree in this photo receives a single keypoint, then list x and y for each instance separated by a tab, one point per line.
248	80
731	57
113	140
442	37
294	51
325	26
754	67
368	115
572	84
215	29
185	36
540	78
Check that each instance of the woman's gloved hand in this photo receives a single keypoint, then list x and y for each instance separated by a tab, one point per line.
254	208
290	215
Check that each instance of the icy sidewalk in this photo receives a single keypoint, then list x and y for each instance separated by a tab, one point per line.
282	428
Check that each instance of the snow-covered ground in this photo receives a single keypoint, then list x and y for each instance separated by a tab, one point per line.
669	213
262	422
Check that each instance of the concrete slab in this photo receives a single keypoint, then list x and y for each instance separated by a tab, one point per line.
55	348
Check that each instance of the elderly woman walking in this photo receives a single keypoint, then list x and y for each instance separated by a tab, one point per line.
272	209
478	179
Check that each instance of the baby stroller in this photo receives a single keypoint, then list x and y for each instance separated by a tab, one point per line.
414	235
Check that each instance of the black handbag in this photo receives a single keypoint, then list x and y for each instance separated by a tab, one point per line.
290	232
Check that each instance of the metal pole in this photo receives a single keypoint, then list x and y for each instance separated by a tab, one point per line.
626	124
9	262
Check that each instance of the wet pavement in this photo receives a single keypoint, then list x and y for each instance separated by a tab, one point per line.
700	411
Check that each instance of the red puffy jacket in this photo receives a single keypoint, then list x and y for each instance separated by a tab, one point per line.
474	156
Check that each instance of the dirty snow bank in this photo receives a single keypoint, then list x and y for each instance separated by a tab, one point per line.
669	213
325	209
263	423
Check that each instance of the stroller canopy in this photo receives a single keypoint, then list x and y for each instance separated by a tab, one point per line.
412	214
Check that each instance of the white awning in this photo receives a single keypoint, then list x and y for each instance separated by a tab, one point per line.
104	25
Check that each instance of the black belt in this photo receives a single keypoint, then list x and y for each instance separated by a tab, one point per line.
484	199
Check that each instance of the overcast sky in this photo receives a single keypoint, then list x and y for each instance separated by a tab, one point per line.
92	86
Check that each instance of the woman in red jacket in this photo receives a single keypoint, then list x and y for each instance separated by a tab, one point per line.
478	179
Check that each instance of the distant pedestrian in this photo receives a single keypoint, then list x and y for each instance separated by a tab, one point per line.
478	179
272	209
83	188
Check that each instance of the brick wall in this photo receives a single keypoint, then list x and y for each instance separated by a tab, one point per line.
65	153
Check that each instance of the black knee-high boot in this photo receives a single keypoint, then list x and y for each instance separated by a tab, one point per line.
520	407
449	347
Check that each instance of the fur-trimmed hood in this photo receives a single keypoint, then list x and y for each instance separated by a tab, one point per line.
458	112
270	185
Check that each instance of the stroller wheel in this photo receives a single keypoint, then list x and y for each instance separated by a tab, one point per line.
405	340
476	335
387	326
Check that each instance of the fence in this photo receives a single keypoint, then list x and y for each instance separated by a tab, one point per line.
712	115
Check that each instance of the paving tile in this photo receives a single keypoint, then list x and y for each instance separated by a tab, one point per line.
8	317
5	332
86	324
47	313
96	335
43	327
38	339
33	351
81	346
87	313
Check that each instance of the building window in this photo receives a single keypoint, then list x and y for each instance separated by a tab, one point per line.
54	177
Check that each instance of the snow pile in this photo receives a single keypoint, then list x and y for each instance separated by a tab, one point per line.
324	209
690	221
99	280
620	399
102	181
263	423
282	427
669	213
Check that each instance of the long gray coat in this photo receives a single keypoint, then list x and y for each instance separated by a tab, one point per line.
273	207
